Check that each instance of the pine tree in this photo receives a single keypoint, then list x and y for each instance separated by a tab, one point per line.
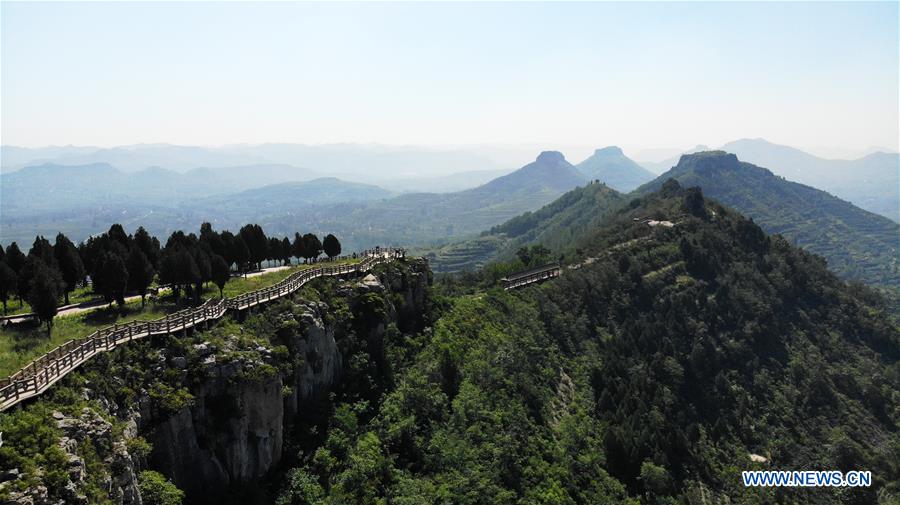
285	251
15	258
220	272
312	246
140	272
332	246
148	245
298	248
115	279
70	264
44	291
7	283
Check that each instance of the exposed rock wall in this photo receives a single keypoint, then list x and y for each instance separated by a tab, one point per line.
233	432
221	421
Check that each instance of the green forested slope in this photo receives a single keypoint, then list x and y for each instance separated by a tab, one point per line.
647	375
857	244
556	226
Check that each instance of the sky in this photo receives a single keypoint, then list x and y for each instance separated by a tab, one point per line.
637	75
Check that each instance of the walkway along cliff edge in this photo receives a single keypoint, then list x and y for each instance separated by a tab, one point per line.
40	374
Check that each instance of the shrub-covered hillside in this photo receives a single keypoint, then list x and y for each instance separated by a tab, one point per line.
857	244
649	374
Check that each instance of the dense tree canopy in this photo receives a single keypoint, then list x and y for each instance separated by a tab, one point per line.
45	287
332	246
649	374
114	264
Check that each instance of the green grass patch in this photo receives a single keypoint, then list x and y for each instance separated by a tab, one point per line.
240	285
20	344
80	295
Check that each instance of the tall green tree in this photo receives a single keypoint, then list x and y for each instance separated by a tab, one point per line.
331	245
149	245
274	249
44	291
220	272
115	278
178	268
15	258
7	283
211	239
117	234
286	251
44	251
256	241
140	272
240	254
70	264
312	246
298	248
204	271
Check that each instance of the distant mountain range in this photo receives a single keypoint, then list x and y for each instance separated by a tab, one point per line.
857	244
419	218
342	160
871	182
52	188
81	200
610	166
287	196
94	196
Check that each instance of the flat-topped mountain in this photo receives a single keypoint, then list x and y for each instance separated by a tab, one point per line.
609	165
857	244
420	218
550	171
871	182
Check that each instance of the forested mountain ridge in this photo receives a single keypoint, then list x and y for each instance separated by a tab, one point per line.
421	218
857	244
648	373
651	373
871	182
163	201
554	225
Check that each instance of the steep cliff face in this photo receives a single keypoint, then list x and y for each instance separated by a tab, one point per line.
214	406
233	432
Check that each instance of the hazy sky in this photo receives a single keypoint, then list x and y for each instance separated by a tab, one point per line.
636	75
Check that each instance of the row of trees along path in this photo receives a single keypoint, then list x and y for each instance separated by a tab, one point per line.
117	263
40	374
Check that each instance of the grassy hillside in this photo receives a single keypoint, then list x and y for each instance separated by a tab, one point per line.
857	244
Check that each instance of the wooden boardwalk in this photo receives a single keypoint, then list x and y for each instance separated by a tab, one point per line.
524	278
40	374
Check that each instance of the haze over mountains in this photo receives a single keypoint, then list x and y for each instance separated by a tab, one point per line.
871	182
85	199
611	166
857	244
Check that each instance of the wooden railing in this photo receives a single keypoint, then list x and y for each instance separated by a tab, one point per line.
40	374
520	279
